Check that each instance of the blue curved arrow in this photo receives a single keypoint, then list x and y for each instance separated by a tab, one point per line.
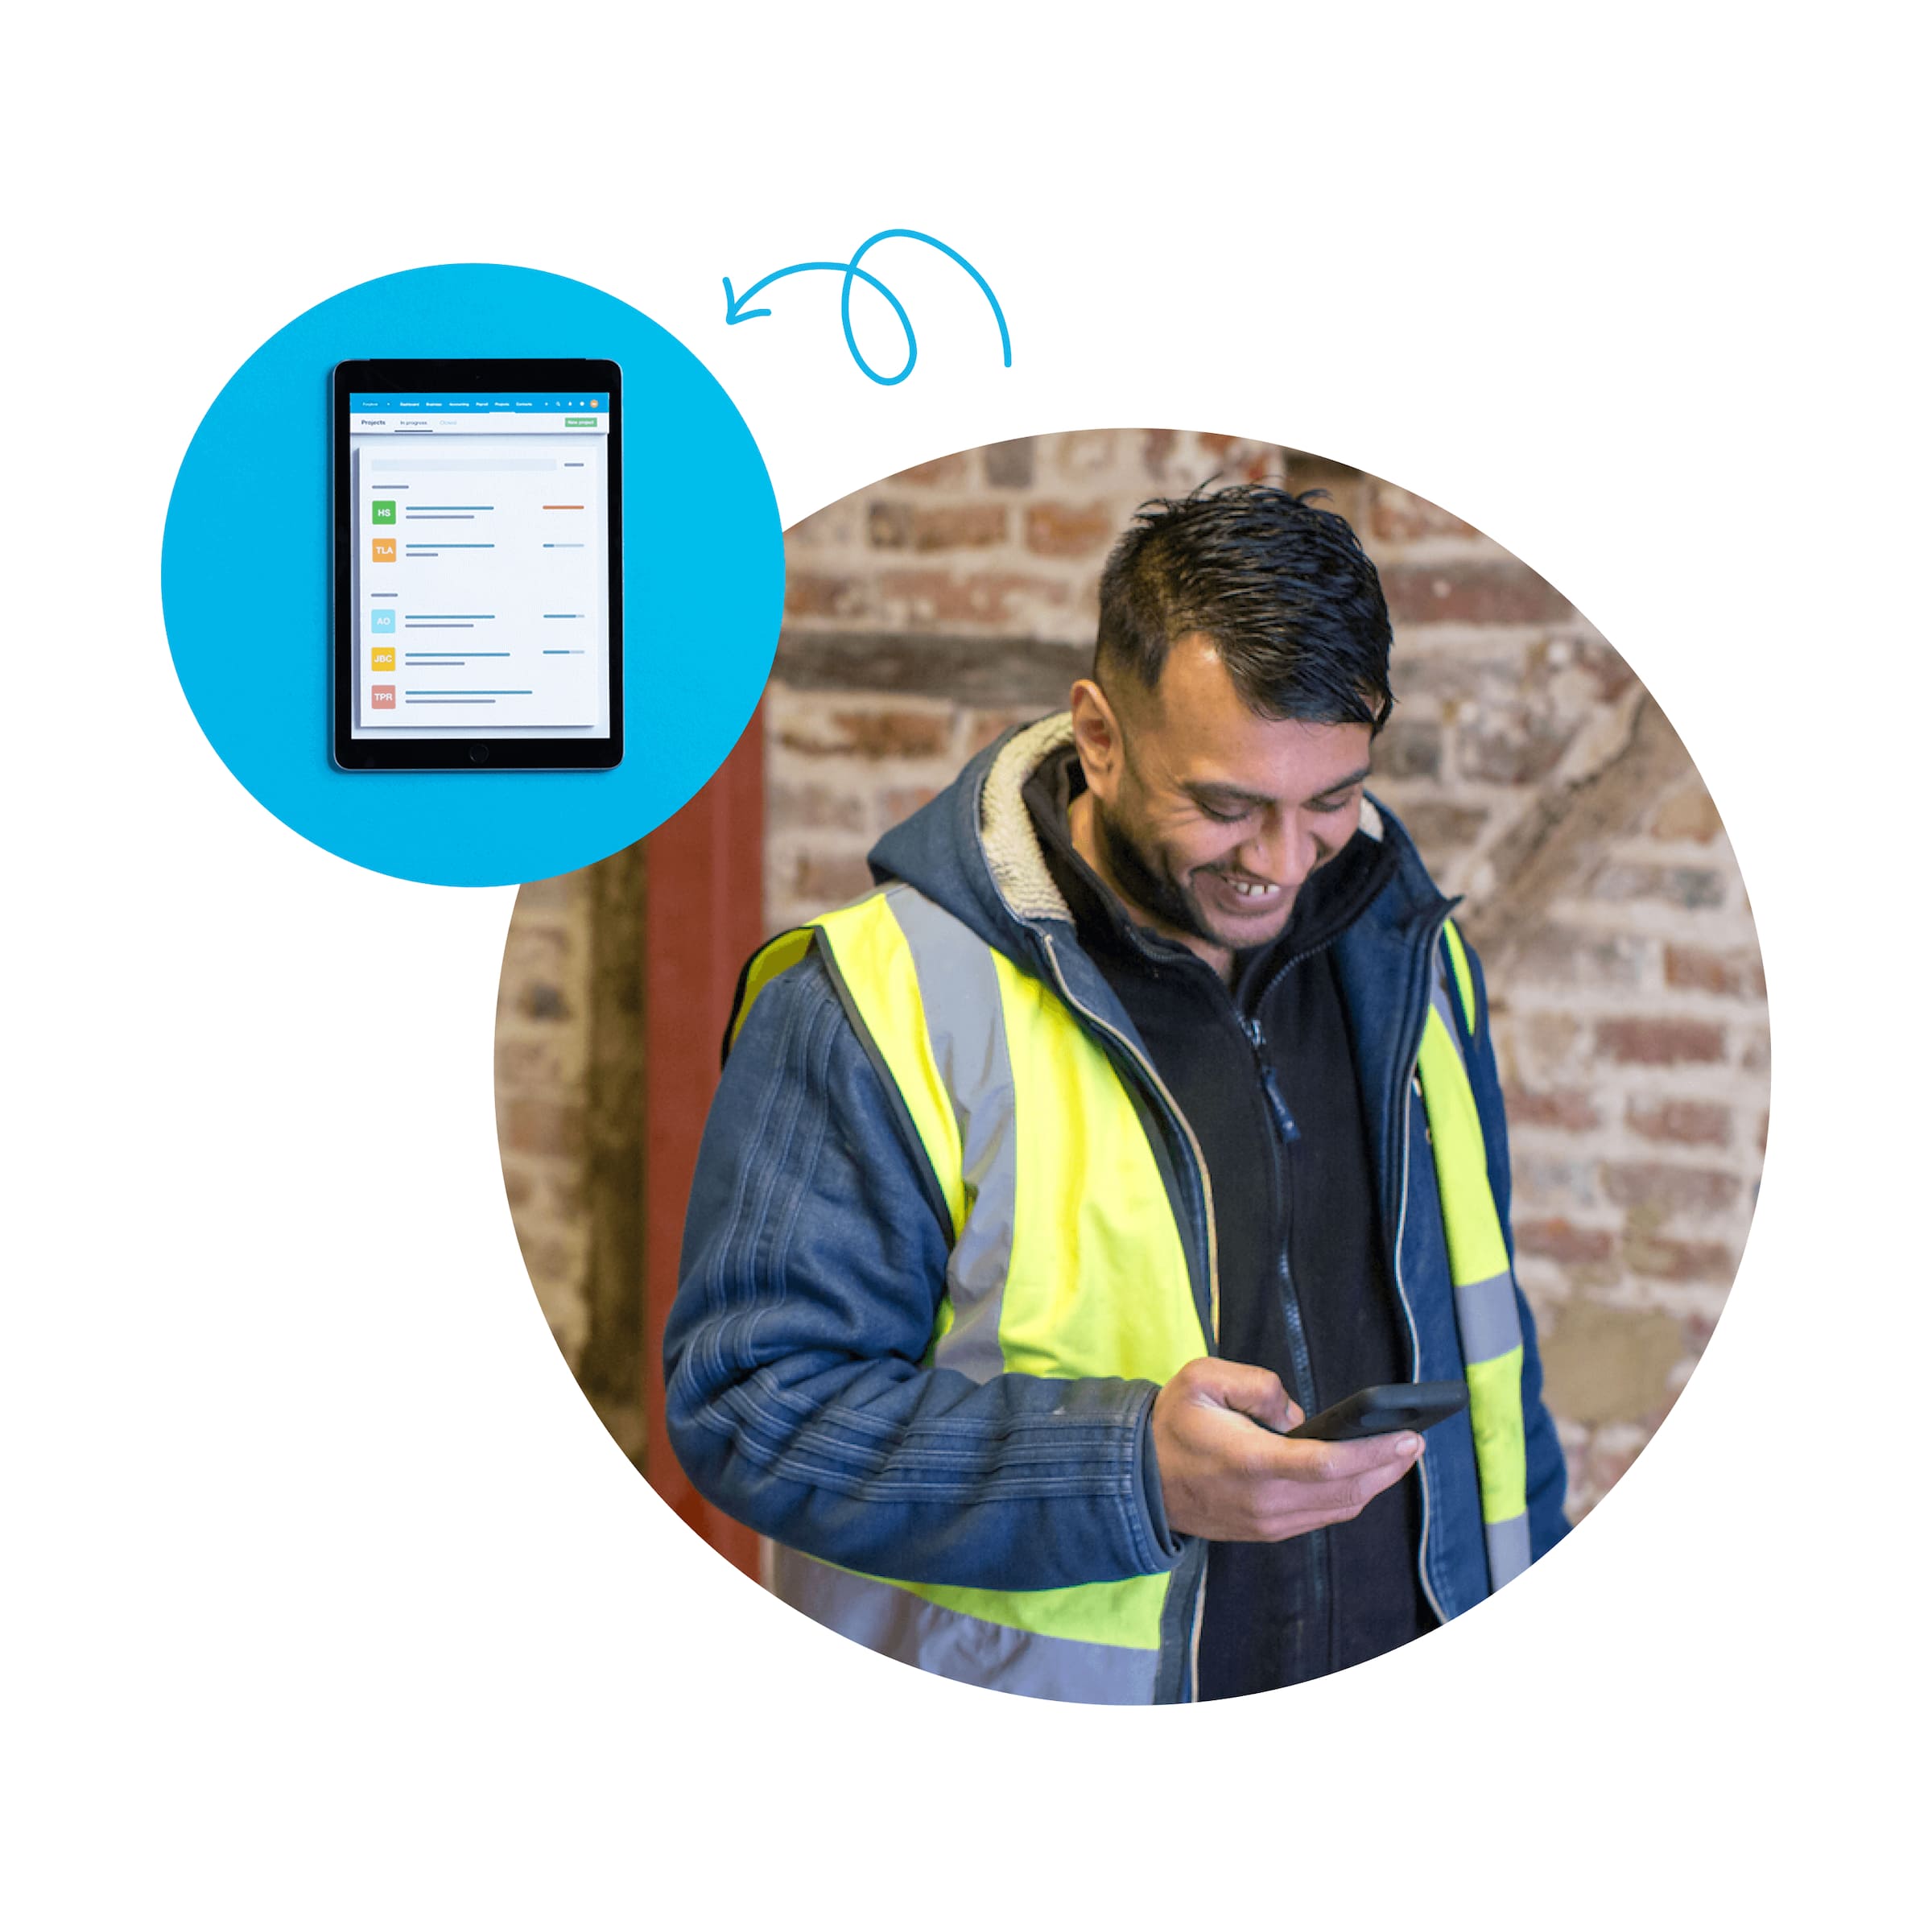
735	311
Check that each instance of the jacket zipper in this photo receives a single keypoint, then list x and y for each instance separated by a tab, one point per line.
1212	1333
1278	1104
1301	1360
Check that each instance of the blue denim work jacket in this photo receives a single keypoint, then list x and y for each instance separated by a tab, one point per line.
813	1267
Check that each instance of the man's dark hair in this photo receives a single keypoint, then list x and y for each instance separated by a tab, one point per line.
1283	589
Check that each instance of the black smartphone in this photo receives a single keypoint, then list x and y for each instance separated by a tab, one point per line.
1386	1409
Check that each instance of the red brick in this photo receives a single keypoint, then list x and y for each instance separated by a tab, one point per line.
883	734
1240	460
1060	530
937	596
1655	1042
1688	1123
900	801
1157	447
1661	1189
947	527
1673	1261
829	878
983	727
1009	466
1561	1240
1396	517
1569	1108
1486	593
538	1126
815	807
810	594
941	469
1702	971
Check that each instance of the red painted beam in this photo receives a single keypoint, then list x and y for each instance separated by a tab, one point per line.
704	895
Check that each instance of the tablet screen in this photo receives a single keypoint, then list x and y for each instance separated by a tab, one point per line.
480	570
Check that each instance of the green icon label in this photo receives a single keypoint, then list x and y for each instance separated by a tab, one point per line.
581	422
382	510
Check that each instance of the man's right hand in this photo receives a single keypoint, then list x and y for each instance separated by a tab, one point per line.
1224	1476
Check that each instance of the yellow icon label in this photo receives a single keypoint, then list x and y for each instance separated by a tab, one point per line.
382	656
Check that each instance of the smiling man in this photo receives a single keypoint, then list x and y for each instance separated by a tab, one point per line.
1147	1106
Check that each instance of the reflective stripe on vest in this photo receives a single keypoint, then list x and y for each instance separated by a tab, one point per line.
1065	1262
1486	1315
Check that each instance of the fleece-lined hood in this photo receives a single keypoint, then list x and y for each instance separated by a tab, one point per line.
974	849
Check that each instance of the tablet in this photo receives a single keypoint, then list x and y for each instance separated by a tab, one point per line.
478	591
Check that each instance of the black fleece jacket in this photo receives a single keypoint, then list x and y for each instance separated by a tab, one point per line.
1265	1074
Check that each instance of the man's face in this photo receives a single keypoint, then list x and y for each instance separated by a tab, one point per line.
1206	816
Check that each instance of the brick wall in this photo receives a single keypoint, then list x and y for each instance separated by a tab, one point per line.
542	1050
929	612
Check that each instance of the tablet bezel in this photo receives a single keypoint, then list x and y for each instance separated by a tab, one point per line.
563	374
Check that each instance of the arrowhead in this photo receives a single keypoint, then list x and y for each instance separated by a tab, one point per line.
733	312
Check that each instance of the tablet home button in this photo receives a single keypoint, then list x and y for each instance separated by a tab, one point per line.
479	754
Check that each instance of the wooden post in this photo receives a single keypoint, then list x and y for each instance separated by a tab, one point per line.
703	917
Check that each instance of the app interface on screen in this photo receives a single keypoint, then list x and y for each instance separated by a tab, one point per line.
481	575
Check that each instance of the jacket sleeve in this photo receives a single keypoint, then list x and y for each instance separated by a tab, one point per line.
812	1270
1547	1475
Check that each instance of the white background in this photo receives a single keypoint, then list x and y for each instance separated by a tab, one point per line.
328	1602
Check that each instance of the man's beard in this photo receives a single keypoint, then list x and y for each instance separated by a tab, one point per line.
1154	892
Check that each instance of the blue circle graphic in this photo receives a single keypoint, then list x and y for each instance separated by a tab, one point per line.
245	582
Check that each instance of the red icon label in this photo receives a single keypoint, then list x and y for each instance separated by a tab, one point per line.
381	697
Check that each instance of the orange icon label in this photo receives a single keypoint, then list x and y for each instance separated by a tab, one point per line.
382	550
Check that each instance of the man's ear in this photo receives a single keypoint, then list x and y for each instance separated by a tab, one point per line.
1096	737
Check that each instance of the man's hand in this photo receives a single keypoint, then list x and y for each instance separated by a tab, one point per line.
1225	1477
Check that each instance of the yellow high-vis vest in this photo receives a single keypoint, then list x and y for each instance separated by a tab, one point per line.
1067	1262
